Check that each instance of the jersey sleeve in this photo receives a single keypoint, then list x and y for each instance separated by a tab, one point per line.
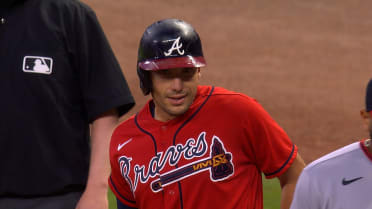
116	181
305	195
102	83
120	205
273	151
120	191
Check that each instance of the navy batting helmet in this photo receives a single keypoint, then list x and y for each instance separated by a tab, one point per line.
166	44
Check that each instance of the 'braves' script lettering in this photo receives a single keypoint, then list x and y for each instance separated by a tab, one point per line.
171	156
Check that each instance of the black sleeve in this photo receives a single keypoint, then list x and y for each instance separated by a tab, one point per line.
102	82
122	206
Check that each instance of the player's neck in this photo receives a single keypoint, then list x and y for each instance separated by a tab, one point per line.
369	148
368	145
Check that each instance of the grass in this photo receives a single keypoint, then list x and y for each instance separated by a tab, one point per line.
112	200
271	195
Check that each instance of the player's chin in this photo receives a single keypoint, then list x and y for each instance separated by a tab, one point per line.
177	110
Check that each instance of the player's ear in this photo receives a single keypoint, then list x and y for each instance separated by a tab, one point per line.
365	117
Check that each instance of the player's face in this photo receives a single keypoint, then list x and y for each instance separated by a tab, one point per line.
173	91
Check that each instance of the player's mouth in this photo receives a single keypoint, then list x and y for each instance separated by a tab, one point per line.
177	99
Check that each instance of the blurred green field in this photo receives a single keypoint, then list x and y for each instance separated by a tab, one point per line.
112	200
271	195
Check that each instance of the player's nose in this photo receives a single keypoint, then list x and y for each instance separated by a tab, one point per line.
177	84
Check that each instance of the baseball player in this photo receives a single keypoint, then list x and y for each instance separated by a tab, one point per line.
193	146
341	179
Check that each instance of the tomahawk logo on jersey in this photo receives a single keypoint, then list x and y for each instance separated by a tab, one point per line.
218	163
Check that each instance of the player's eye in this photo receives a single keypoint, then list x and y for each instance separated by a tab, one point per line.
188	73
184	74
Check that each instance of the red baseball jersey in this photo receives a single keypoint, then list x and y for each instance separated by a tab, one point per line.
210	157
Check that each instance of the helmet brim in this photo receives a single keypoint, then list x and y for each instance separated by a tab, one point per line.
172	62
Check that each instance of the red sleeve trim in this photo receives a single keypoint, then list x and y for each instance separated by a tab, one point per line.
285	165
120	196
365	149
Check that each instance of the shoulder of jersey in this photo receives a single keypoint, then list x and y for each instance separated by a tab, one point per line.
334	158
54	7
124	127
67	3
231	98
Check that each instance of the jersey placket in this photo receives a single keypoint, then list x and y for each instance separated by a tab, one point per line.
171	193
171	196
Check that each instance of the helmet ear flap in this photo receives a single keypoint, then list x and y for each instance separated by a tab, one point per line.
145	81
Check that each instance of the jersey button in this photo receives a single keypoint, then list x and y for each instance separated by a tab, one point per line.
171	192
164	128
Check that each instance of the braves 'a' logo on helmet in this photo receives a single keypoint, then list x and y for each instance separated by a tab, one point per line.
175	46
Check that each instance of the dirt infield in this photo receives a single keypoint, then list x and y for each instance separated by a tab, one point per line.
306	62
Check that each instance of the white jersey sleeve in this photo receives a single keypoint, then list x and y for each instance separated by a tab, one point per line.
306	194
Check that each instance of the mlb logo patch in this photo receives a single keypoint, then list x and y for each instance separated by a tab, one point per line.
36	64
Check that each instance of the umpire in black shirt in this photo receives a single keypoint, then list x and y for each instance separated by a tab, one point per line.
62	92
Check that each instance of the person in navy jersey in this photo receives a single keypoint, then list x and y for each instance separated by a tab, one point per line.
62	94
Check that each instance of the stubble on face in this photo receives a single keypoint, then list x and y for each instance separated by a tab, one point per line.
174	91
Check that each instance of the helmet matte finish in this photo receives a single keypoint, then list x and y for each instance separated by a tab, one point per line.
166	44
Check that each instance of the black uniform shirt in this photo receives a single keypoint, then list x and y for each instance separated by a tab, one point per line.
57	74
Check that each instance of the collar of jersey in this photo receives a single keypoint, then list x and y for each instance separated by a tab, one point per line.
201	95
365	149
